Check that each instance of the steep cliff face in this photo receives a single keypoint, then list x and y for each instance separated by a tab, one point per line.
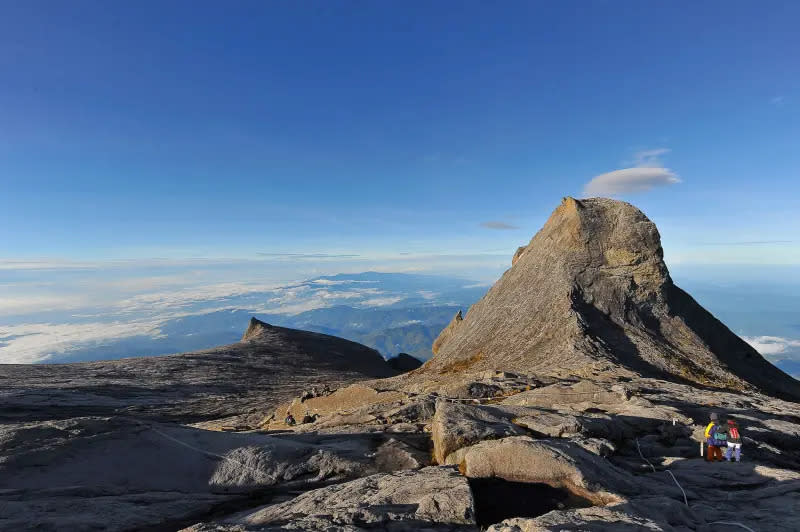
591	293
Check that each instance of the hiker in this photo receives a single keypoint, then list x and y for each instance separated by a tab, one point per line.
734	441
714	443
290	419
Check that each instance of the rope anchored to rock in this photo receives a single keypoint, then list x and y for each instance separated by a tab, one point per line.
685	500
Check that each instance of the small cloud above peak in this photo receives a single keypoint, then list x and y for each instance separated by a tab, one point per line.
630	180
647	171
500	226
777	101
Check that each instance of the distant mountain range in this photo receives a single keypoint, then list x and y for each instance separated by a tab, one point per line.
390	312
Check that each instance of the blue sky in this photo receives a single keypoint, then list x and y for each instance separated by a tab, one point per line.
147	146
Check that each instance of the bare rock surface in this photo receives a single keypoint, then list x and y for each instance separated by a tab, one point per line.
434	498
459	425
106	465
559	464
270	365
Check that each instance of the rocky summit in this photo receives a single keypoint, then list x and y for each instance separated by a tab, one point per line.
591	292
573	396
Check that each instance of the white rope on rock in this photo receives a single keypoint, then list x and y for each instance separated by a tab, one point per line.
734	523
639	448
685	500
643	458
257	472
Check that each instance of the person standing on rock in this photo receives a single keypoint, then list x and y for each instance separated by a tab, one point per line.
734	441
714	451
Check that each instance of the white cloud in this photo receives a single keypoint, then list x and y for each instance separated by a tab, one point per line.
498	225
777	100
176	299
771	345
477	285
382	301
630	180
11	305
37	342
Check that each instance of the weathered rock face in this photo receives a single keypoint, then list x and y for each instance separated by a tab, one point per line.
590	290
431	498
448	331
123	474
518	254
455	426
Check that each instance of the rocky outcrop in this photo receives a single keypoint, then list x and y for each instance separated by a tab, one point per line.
591	292
448	331
434	498
457	425
518	254
404	363
255	329
560	464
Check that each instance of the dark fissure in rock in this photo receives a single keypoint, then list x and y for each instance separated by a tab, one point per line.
497	499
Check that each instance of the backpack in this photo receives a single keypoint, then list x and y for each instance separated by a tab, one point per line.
734	432
720	436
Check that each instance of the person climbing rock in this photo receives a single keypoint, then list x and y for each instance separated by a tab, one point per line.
734	442
714	450
290	419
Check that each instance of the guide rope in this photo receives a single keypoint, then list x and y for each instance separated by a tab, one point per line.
685	500
258	472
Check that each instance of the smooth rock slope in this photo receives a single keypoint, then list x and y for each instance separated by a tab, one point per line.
270	364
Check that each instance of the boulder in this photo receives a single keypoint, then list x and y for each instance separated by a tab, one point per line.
430	496
560	464
457	425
